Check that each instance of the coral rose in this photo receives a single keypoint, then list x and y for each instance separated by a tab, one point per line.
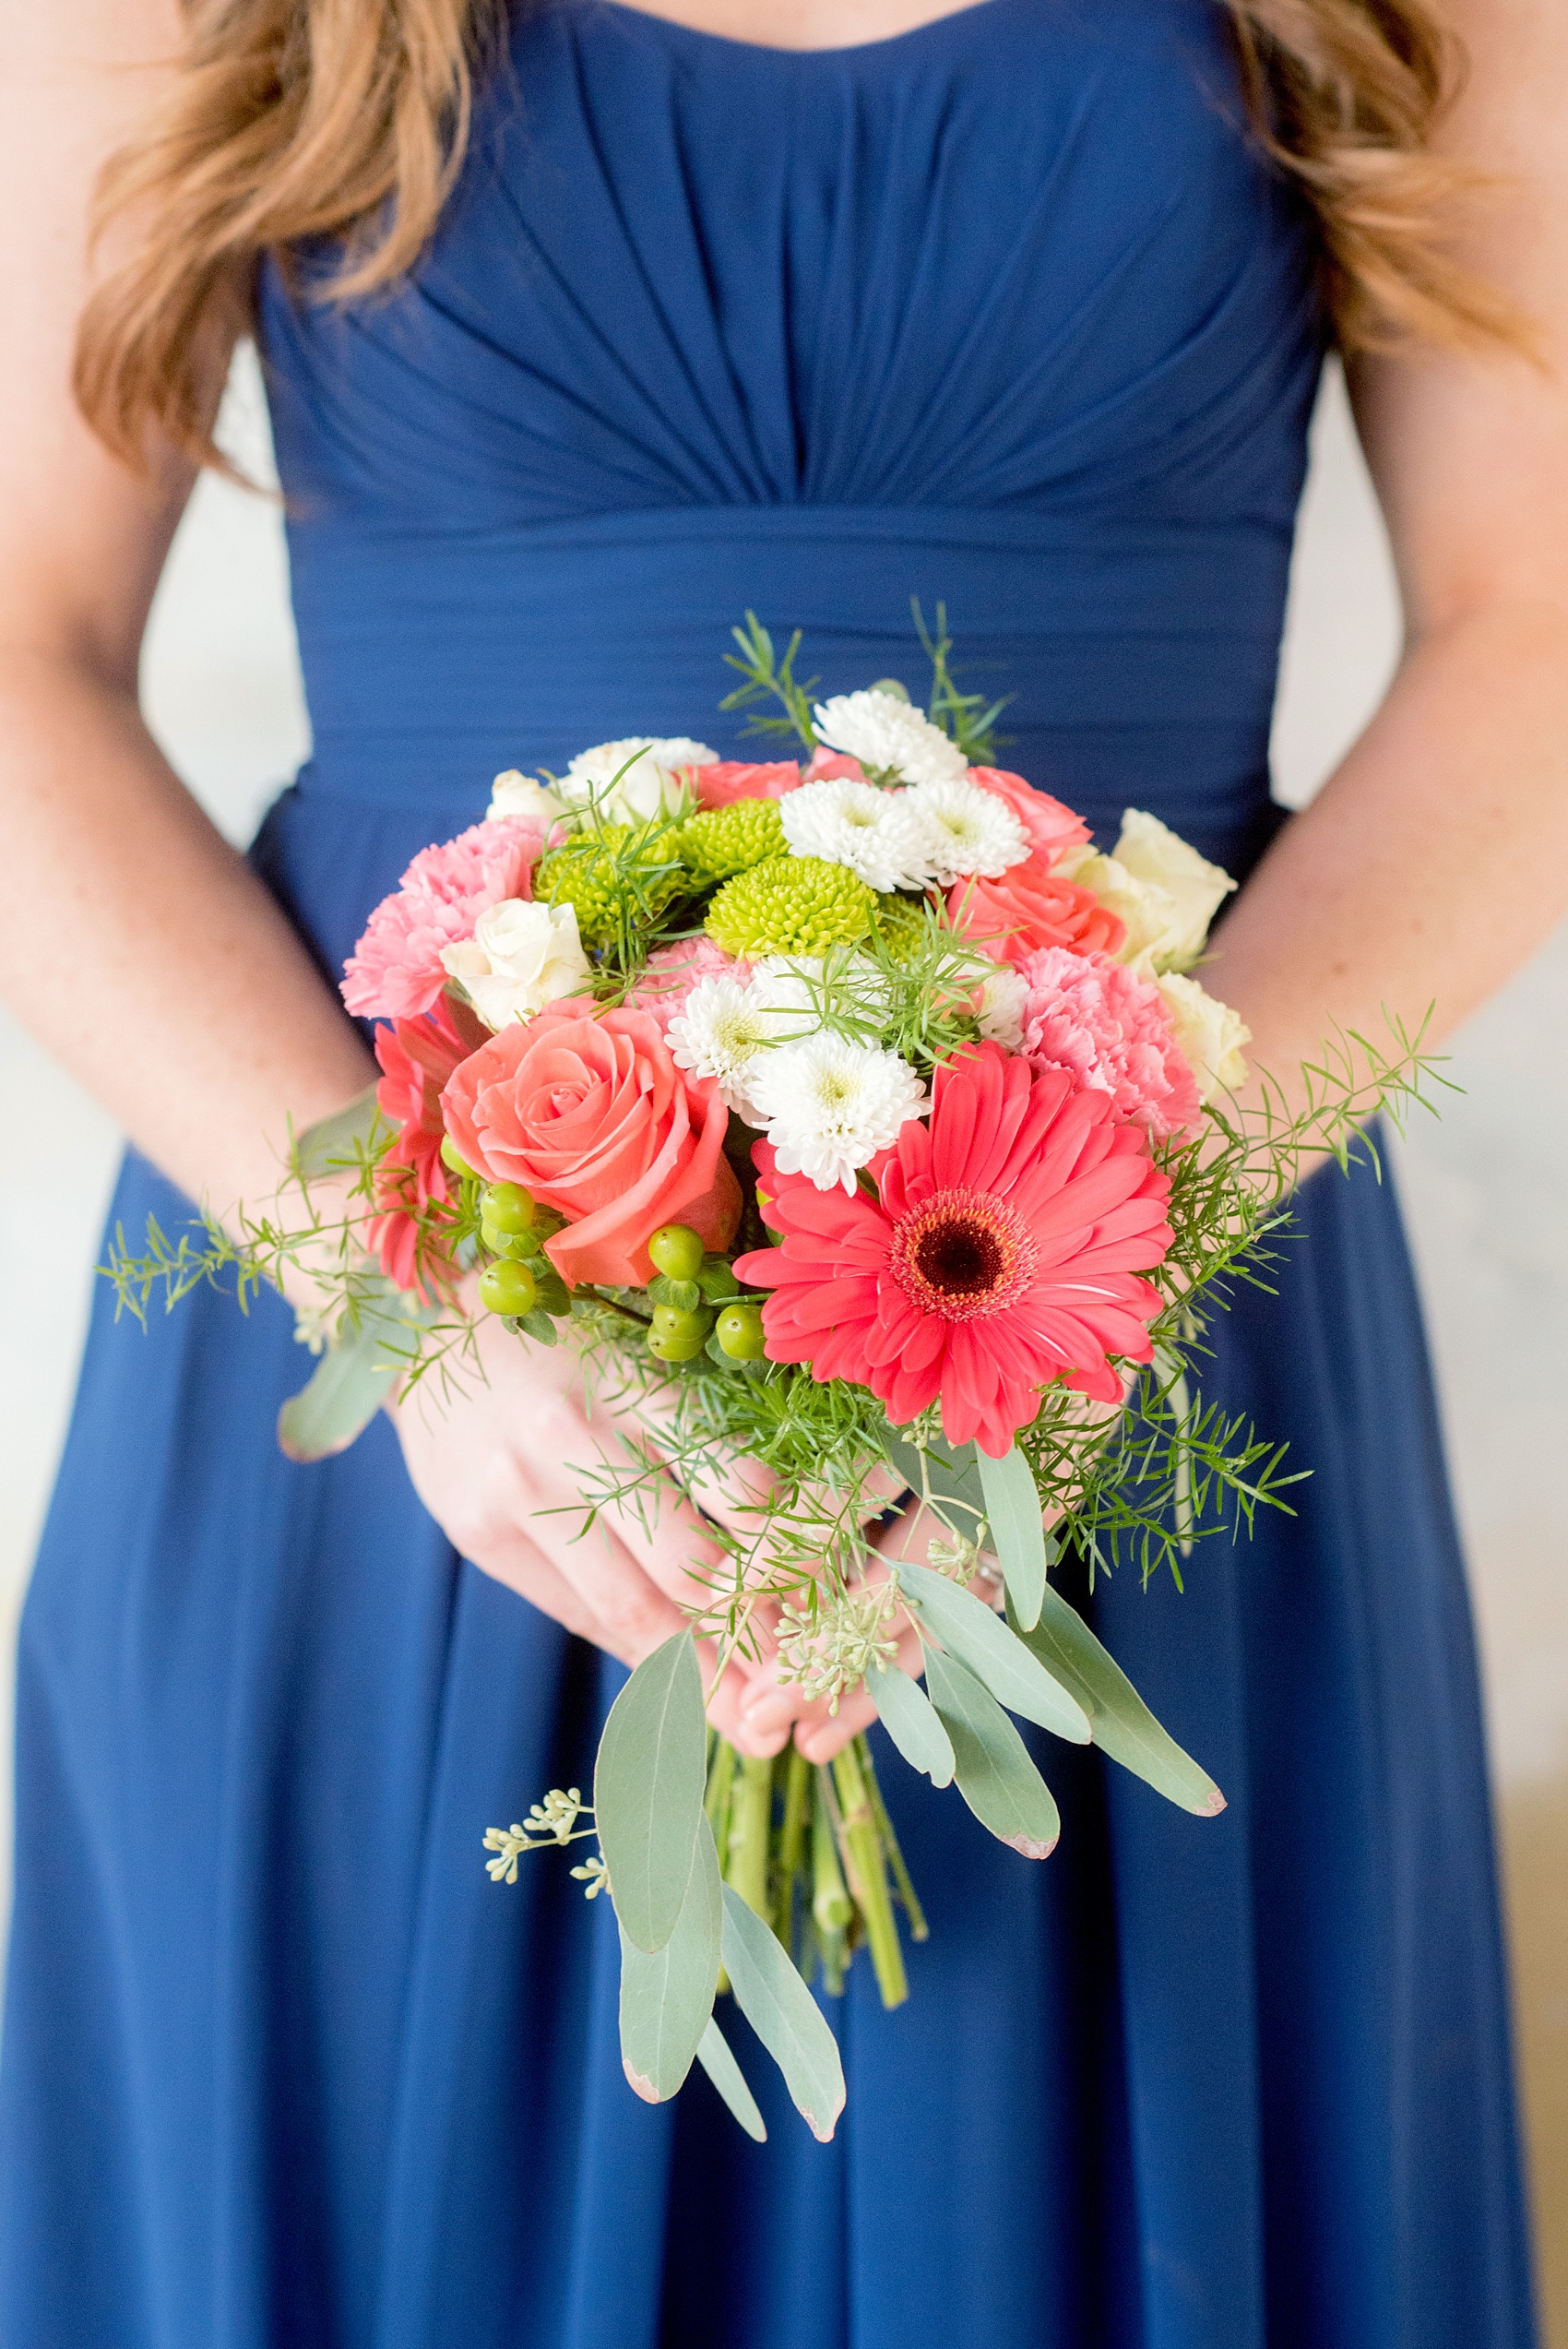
1028	907
1049	827
592	1115
729	779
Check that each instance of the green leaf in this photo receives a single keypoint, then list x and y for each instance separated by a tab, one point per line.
352	1382
784	2015
1016	1677
994	1772
1122	1724
667	1999
333	1142
540	1327
713	2054
913	1723
647	1790
1017	1530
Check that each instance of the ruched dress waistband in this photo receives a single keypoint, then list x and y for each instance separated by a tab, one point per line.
431	662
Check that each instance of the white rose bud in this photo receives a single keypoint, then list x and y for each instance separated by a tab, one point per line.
520	957
1002	998
1209	1035
632	781
1146	911
1159	858
514	794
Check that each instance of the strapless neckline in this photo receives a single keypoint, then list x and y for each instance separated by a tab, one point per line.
885	43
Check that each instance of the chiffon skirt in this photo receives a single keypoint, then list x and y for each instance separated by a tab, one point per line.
284	2070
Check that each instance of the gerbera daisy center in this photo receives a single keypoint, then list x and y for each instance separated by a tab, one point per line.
961	1255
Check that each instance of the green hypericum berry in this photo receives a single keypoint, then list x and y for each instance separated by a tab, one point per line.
738	1332
601	877
723	840
517	1243
665	1349
670	1322
790	905
677	1251
449	1157
508	1206
507	1288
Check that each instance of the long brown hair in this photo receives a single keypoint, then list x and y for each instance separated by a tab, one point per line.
288	119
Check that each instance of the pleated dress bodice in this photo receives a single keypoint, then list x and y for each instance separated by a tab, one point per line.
1005	314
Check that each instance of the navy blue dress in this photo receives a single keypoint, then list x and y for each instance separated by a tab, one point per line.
1003	312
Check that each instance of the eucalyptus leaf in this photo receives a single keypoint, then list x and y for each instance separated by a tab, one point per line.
948	1476
713	2055
667	1999
647	1790
352	1382
995	1775
913	1723
784	2015
1122	1724
333	1142
1017	1530
1015	1676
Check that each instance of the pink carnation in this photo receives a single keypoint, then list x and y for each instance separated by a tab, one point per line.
396	970
1049	827
671	971
731	778
1110	1029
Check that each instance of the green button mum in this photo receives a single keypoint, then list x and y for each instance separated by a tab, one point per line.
606	880
725	841
790	905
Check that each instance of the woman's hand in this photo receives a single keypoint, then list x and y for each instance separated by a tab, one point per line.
504	1468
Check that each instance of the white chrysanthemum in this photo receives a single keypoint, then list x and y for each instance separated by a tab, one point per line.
966	830
890	735
521	957
1002	998
829	1105
514	794
651	784
723	1029
871	830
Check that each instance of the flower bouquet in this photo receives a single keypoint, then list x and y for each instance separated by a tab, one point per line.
862	1127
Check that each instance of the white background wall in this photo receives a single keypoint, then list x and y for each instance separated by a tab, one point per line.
1485	1187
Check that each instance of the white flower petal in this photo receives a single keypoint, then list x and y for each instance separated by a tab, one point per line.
874	832
517	795
651	784
521	957
830	1105
966	830
888	734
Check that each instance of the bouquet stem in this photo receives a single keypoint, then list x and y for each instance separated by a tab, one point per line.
789	1826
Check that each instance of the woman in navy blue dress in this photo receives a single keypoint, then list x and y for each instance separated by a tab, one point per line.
811	308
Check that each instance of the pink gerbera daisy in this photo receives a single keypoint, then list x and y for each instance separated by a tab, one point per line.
396	970
1001	1256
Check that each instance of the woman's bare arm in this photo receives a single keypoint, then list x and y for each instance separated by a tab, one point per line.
1435	860
135	943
